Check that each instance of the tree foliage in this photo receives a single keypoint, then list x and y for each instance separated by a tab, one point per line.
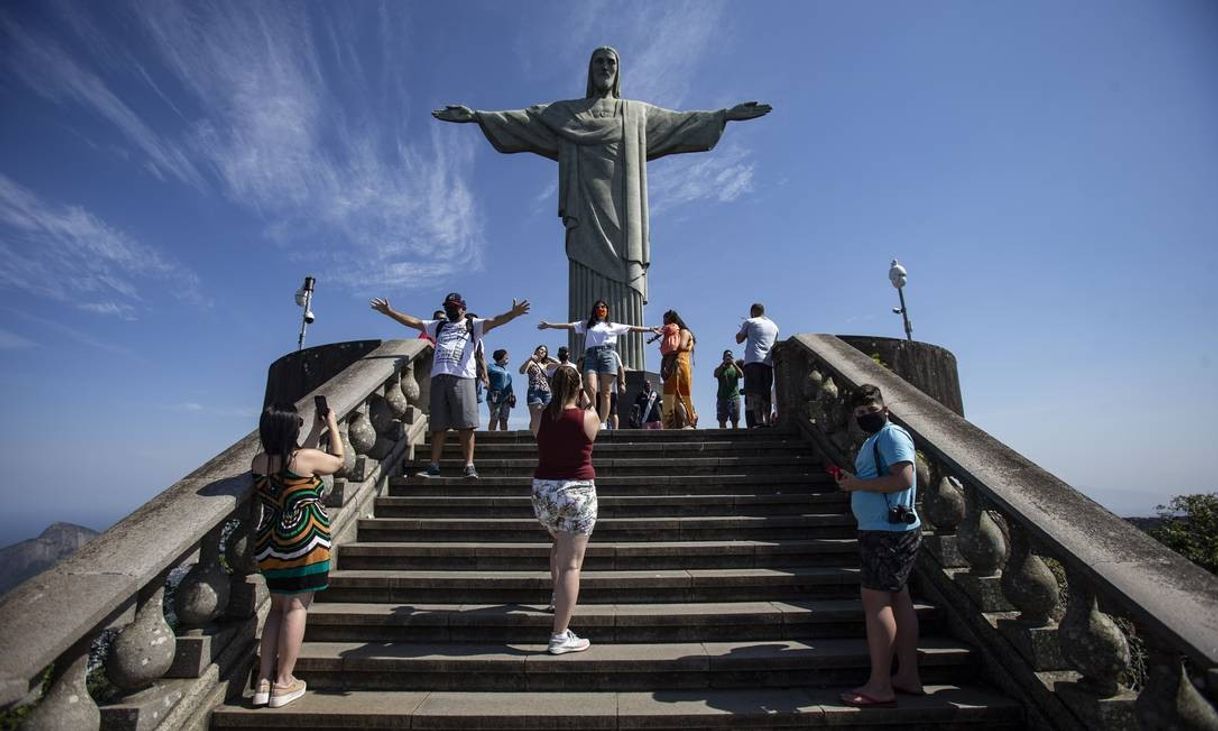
1190	528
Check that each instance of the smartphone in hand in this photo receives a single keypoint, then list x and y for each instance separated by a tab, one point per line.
323	409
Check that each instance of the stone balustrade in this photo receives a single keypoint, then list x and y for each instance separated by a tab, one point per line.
170	677
1087	620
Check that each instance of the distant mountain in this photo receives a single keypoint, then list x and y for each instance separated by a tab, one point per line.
20	561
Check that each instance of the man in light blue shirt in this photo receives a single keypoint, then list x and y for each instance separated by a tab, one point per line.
882	494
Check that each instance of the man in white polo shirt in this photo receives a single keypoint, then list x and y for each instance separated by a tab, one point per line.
454	401
761	333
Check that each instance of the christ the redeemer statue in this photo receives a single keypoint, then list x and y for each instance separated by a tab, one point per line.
602	144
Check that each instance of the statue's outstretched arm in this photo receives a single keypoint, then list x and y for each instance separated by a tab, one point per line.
454	113
748	110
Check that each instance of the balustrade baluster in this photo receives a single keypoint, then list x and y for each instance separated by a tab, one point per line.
1170	700
203	594
410	386
1028	583
362	435
394	397
1091	642
984	547
144	650
67	705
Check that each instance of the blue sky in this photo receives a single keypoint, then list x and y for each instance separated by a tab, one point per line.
169	172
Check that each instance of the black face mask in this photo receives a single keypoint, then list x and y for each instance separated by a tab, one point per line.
872	423
453	313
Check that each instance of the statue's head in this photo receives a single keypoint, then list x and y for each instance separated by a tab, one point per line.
604	72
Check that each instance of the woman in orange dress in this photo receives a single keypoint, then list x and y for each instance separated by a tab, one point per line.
677	348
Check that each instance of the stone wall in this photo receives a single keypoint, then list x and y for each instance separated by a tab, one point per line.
295	374
929	368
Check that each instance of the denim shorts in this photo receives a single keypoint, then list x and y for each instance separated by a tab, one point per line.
600	359
537	397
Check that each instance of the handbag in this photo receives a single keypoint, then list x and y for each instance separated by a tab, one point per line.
668	366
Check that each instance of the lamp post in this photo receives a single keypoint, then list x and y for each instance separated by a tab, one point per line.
304	299
898	276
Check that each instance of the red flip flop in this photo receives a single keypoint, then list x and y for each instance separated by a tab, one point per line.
862	700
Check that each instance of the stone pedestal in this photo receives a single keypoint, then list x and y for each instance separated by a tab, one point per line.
246	594
1111	714
946	550
1037	645
985	591
634	384
146	709
199	648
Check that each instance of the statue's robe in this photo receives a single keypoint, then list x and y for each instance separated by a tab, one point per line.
602	190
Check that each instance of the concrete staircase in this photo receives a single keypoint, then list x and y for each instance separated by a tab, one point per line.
720	589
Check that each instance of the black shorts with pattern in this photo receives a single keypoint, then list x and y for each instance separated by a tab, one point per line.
886	558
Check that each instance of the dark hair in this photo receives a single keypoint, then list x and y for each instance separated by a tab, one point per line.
673	317
592	319
439	315
758	308
498	355
539	347
564	354
564	385
728	351
279	430
866	395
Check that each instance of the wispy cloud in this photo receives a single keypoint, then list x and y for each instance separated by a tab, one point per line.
290	111
52	71
194	407
67	254
13	341
723	175
58	329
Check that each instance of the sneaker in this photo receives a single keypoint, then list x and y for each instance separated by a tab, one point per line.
470	472
282	695
262	692
433	470
562	644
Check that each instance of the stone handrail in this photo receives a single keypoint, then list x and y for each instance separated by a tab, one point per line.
996	525
119	577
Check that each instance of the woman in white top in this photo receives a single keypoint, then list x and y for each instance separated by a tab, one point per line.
600	341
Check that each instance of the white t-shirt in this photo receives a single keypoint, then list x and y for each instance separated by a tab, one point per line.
760	334
602	333
454	348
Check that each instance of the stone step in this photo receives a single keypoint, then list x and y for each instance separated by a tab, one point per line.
714	528
758	709
600	555
668	586
606	466
725	447
613	506
607	623
742	437
345	666
662	484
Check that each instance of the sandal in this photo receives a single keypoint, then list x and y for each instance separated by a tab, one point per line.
862	700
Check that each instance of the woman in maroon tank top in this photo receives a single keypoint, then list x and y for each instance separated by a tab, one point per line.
564	497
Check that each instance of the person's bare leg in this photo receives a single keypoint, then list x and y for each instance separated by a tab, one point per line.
602	399
466	437
268	647
569	561
291	635
592	388
437	445
881	636
906	677
534	414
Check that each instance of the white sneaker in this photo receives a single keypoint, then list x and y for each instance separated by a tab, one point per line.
283	695
562	644
262	693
